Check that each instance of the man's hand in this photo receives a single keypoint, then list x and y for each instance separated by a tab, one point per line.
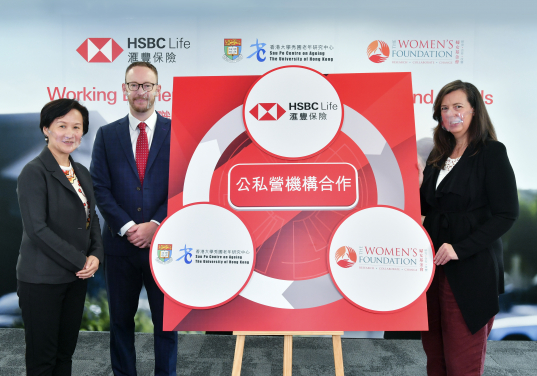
142	234
445	254
91	266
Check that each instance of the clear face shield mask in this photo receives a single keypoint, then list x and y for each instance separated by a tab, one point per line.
451	119
69	138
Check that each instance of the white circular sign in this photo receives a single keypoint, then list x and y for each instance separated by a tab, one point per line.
293	112
202	256
380	259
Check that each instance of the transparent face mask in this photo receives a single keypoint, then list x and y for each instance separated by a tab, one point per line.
68	138
452	119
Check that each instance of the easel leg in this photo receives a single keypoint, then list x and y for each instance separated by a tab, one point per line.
338	355
237	361
288	349
287	355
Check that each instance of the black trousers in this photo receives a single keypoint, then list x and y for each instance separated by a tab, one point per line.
125	276
52	314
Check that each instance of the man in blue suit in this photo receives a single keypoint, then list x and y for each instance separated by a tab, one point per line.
129	167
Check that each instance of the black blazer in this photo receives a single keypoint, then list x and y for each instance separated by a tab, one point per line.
55	241
475	204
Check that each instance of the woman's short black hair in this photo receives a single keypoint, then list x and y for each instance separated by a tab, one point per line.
59	108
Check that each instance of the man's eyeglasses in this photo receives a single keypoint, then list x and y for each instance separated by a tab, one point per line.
133	86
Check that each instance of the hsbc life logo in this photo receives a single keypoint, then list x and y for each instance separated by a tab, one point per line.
156	50
292	104
303	111
149	50
267	111
99	50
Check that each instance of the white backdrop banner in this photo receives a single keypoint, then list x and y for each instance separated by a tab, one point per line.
58	50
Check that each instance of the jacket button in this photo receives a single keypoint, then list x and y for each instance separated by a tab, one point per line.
139	209
137	188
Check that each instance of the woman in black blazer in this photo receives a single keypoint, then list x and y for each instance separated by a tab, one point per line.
61	242
469	200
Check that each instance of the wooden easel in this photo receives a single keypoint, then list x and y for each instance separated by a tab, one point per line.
287	349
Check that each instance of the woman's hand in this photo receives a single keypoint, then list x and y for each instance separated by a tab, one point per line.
445	254
91	266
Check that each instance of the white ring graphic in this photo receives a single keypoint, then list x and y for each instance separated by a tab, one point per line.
270	291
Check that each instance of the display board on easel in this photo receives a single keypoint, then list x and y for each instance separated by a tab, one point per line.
293	205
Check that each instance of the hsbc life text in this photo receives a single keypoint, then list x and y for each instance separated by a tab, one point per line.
312	106
157	43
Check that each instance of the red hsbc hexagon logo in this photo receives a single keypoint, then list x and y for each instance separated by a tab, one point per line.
99	50
267	111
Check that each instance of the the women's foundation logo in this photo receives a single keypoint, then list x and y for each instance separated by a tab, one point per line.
345	257
378	51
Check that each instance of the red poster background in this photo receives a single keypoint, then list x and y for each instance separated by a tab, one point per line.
385	99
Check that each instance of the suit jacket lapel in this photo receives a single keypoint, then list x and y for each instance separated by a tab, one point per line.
456	180
430	176
159	135
52	165
124	136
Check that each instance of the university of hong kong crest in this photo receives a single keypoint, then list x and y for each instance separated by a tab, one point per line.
164	253
232	50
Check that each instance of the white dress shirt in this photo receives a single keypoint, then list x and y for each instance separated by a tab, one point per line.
134	131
